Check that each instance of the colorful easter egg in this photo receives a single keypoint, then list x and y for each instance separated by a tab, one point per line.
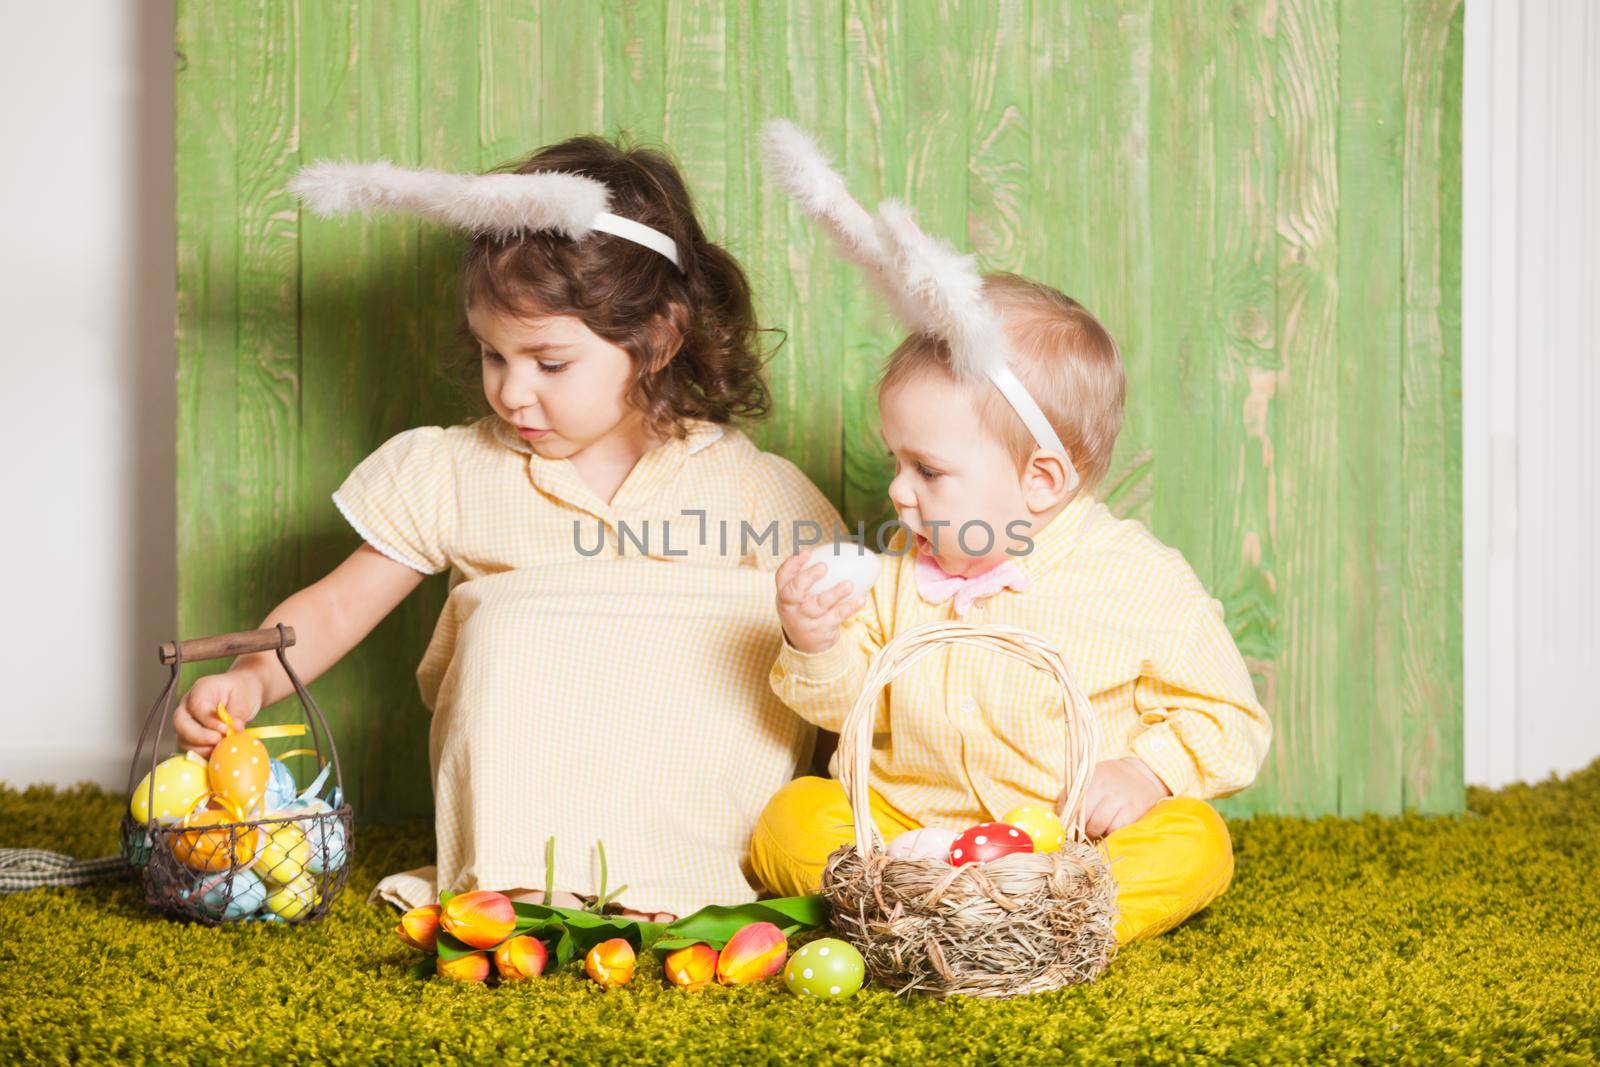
923	843
180	782
987	842
280	785
283	853
239	770
230	897
293	900
214	849
325	834
828	969
136	848
1040	824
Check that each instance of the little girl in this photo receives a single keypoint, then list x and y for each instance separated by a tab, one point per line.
1001	411
598	674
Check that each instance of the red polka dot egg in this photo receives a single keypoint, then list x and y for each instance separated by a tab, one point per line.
988	842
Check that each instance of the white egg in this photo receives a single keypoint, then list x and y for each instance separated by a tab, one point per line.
847	562
924	843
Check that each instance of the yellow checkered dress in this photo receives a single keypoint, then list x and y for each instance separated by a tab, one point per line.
599	670
966	734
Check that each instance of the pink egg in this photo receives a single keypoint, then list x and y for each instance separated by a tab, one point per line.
923	843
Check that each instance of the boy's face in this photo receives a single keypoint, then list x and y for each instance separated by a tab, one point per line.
950	472
560	384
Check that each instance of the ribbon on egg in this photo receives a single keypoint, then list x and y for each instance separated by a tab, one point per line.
289	729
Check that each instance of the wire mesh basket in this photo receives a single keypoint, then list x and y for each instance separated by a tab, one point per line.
232	838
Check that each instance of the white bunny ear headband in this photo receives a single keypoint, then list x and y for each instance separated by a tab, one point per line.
933	288
499	205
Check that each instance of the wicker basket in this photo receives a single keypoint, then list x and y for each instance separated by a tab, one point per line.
218	872
1024	923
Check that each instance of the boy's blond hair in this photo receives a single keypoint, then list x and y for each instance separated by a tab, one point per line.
1064	356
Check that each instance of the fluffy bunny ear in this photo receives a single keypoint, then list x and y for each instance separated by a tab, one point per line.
496	204
947	291
934	289
793	160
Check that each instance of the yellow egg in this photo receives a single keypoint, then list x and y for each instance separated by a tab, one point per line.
180	783
239	771
294	899
1039	823
284	853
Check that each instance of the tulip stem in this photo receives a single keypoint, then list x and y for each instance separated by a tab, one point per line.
604	898
550	870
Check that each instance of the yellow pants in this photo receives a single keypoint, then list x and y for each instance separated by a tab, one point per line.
1167	865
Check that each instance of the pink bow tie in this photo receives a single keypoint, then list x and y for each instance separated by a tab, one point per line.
937	586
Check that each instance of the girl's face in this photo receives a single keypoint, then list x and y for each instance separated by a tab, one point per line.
951	473
560	384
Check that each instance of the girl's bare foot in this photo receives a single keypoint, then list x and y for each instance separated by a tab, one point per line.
645	916
536	896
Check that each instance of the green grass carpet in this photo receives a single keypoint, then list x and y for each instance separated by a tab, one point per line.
1374	941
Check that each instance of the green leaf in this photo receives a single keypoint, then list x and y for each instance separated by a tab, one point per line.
421	969
451	949
717	923
565	949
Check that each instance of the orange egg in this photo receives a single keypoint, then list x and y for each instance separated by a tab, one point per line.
239	771
214	850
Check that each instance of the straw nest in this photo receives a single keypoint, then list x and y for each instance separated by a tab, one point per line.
1025	923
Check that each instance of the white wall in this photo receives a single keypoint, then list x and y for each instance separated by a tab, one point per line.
86	294
1531	387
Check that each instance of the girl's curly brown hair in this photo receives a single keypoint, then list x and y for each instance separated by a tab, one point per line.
692	334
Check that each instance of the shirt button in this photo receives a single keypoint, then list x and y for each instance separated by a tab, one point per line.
968	705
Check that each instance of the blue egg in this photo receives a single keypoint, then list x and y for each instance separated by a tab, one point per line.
280	785
326	837
249	893
136	849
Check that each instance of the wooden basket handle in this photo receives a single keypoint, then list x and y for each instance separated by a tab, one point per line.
906	650
225	646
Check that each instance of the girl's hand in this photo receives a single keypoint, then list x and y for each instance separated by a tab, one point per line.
196	717
1120	792
811	623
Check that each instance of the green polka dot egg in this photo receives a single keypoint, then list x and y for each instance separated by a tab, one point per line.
828	969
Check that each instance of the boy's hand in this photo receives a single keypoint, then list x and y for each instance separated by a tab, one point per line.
811	623
1120	792
196	718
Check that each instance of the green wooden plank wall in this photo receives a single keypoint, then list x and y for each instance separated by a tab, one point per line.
1261	199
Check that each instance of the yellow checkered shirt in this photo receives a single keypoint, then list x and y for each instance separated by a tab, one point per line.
967	734
619	697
